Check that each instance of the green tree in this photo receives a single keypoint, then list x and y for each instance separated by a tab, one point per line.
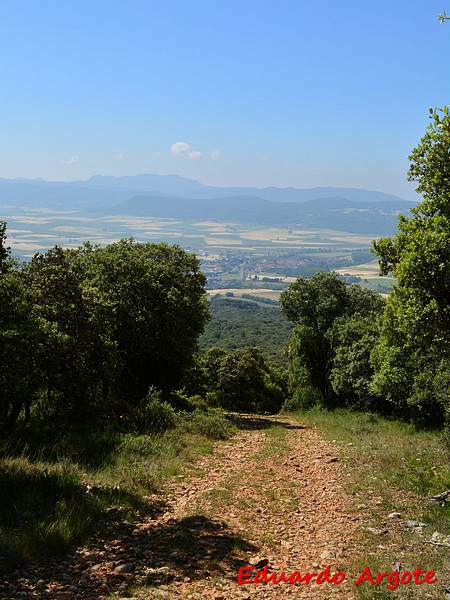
73	334
18	341
19	350
416	329
241	380
5	251
314	305
352	340
158	307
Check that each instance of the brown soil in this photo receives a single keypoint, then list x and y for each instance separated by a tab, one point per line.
245	504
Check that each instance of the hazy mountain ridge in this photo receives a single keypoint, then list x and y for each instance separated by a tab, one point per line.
170	196
189	188
103	190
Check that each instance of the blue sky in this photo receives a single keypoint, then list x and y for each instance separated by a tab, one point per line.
229	92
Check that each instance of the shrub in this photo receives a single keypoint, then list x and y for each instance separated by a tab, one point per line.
198	403
304	397
144	445
180	400
155	414
211	423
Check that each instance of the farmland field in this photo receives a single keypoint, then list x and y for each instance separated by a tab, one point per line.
368	273
233	255
35	229
259	293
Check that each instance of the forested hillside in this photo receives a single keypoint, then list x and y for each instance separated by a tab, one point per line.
238	323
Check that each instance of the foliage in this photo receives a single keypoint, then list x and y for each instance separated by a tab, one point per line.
20	352
154	414
84	333
315	305
415	336
261	300
240	380
158	310
210	422
76	350
238	324
352	340
304	397
143	445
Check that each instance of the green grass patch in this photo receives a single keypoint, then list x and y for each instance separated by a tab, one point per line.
394	467
56	488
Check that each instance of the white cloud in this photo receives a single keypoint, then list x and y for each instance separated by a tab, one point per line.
70	161
186	151
180	148
216	154
157	154
194	154
121	156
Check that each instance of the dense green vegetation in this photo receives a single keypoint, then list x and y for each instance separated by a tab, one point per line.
86	332
347	349
412	356
238	323
332	320
240	380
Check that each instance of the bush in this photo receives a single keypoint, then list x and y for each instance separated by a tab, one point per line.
180	400
198	403
144	445
156	415
211	423
304	397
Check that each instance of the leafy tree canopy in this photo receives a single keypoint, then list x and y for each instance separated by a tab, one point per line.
86	332
419	255
314	305
241	380
158	309
5	251
416	326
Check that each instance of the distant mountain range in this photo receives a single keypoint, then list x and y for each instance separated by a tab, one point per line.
103	190
349	209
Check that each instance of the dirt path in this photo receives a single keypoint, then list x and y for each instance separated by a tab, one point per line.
269	496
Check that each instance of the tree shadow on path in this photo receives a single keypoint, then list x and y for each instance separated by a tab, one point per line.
253	422
145	554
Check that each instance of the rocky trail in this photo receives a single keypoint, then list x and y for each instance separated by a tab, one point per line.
271	498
